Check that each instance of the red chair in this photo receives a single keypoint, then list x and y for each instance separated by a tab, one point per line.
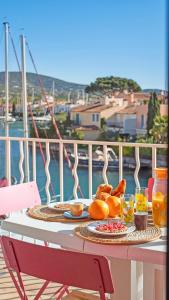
68	268
150	188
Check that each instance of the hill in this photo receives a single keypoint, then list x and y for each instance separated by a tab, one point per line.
61	86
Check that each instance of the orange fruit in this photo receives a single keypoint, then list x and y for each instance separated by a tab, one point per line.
98	210
114	204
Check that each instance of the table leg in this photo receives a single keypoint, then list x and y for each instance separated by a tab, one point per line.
136	280
121	270
154	282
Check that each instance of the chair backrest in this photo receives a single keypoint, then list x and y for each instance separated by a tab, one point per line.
150	188
70	268
3	182
17	197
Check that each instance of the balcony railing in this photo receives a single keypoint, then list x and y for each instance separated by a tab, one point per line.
75	144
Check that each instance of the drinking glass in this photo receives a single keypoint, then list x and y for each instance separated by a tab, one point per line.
141	199
127	208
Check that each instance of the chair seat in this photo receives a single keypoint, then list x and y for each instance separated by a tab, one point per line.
77	295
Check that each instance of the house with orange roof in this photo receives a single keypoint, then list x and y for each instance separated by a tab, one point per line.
123	121
91	115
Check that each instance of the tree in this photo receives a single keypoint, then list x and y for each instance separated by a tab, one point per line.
109	83
153	111
102	123
77	135
160	130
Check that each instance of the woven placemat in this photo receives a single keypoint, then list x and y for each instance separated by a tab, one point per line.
49	214
137	237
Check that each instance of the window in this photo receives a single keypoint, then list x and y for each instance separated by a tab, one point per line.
77	119
95	117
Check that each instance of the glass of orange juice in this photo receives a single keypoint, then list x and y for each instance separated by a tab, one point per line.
159	197
159	207
141	199
127	208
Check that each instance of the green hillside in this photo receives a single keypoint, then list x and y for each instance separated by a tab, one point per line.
61	86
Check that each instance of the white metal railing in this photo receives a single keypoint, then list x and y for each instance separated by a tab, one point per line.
75	143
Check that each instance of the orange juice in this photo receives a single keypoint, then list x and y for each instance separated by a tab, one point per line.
159	197
159	207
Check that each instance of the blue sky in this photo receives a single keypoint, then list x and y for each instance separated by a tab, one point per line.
79	40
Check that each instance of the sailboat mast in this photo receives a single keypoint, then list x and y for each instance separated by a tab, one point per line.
24	103
7	146
53	89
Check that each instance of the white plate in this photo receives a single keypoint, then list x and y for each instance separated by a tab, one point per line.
67	214
92	228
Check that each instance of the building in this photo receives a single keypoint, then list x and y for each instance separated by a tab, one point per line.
123	121
141	117
91	115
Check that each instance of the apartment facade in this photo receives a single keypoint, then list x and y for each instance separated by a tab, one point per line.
91	115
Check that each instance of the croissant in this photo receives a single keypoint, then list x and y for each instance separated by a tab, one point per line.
102	195
120	189
106	188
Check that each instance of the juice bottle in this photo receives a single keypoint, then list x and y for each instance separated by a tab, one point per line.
159	197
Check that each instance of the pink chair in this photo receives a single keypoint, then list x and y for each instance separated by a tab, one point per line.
150	188
86	271
17	197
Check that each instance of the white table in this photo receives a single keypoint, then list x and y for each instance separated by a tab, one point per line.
147	259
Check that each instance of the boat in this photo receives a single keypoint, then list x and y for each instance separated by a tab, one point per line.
98	159
10	119
42	119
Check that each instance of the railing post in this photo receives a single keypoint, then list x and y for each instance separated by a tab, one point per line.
8	161
34	159
61	170
21	161
106	162
137	156
120	162
90	171
75	172
154	159
47	172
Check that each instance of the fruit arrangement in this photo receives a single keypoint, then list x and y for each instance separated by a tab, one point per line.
107	202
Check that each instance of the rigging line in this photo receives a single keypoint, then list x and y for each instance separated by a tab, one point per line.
52	116
14	49
30	111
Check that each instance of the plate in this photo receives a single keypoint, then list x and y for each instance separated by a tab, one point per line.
63	207
67	214
92	228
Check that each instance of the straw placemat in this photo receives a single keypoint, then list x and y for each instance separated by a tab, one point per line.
49	214
137	237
